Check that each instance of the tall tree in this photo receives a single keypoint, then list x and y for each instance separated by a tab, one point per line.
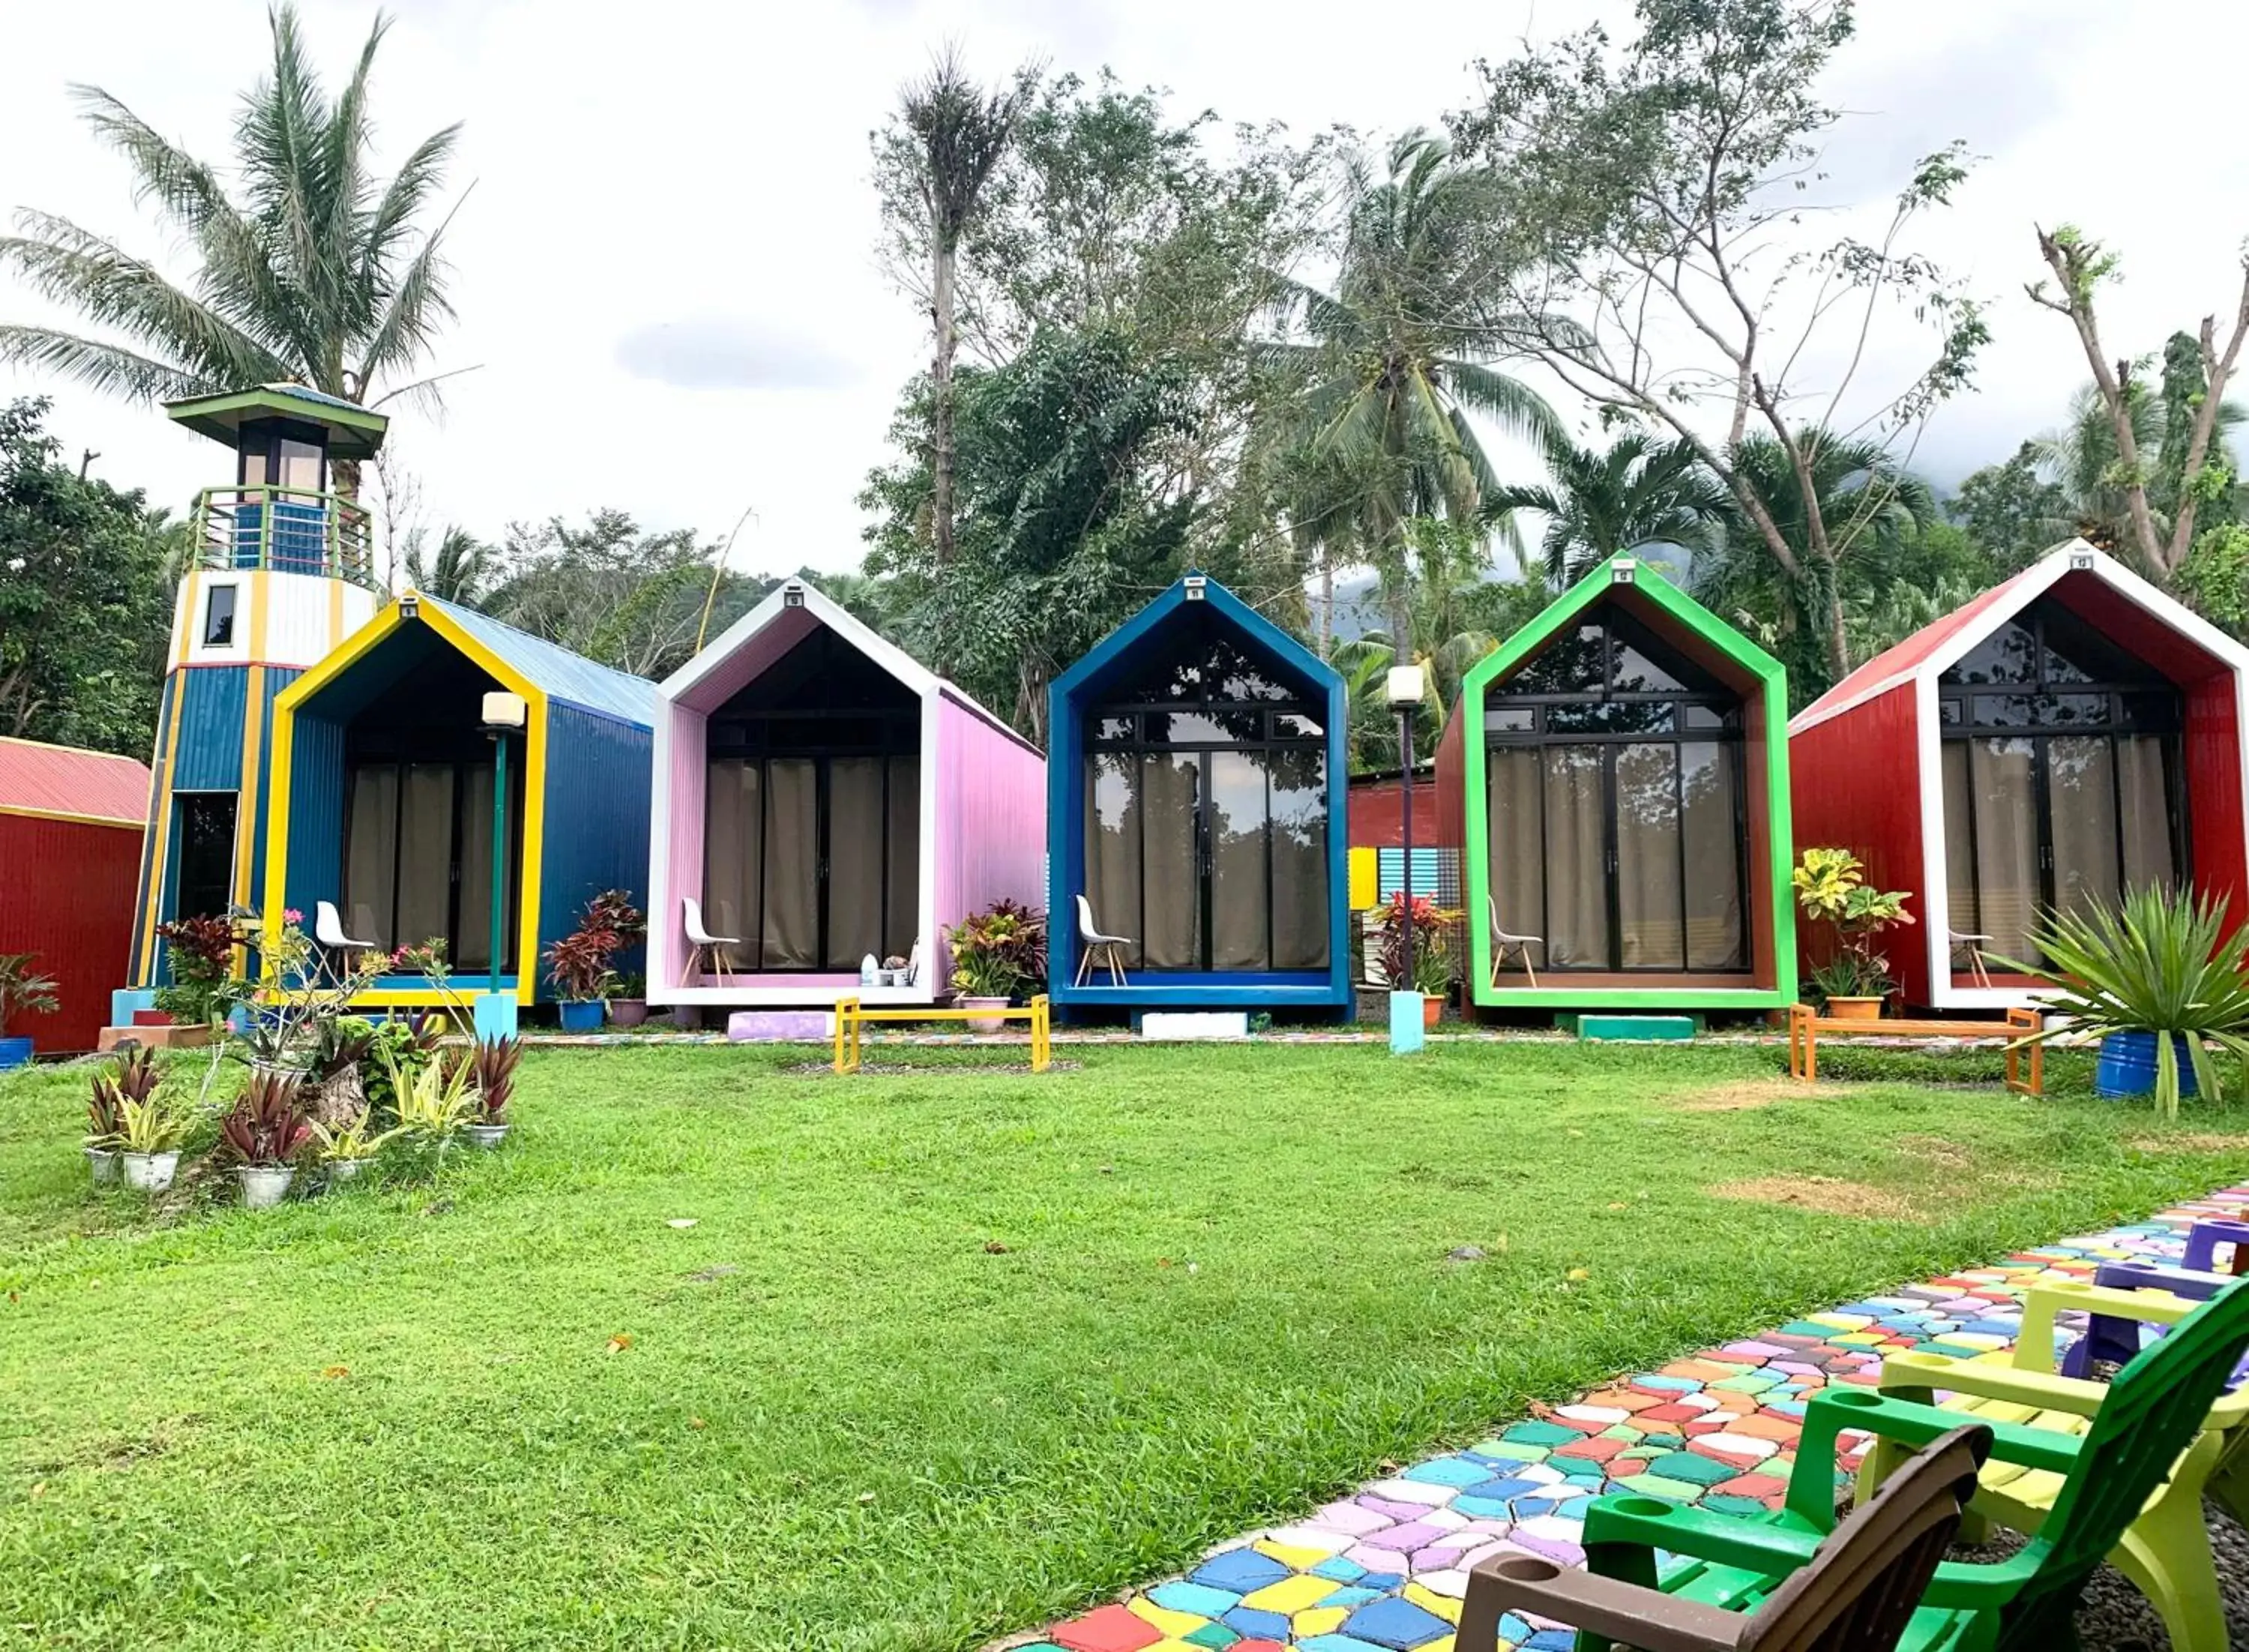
322	273
1656	191
614	592
2012	508
460	570
85	602
1639	491
942	145
1390	366
2079	266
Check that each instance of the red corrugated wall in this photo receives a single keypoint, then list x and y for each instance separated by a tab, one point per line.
1378	814
1854	782
66	892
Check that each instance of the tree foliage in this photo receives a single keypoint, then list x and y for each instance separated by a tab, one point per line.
1639	491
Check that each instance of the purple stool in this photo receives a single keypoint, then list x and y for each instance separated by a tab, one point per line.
2115	1341
2204	1238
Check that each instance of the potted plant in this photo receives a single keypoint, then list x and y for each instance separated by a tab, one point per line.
265	1130
580	963
149	1132
492	1075
1832	888
199	957
1434	968
2156	979
630	1007
434	1102
346	1149
996	954
22	991
134	1077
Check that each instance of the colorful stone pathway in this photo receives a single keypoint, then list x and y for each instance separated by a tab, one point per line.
1385	1571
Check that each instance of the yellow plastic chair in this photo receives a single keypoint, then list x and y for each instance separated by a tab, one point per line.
2166	1550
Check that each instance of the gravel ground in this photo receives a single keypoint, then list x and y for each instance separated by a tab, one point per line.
2115	1617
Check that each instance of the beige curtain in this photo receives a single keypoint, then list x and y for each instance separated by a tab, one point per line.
1707	788
1112	848
1966	916
370	854
855	818
902	917
733	834
475	949
1515	822
2146	823
2082	791
1298	797
1647	857
1241	883
2006	810
1577	859
425	855
1170	783
791	930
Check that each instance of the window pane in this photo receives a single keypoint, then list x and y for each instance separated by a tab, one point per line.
1511	720
1959	847
1570	664
2142	763
790	936
1112	846
1647	858
1299	792
2081	787
854	863
901	918
1240	881
1172	895
1709	786
472	950
2007	843
298	466
1517	902
370	889
425	856
2008	656
733	830
1577	859
218	617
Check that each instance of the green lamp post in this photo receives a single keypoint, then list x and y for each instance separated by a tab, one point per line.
504	714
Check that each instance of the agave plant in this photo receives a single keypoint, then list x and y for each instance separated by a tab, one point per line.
434	1104
2162	962
493	1065
267	1125
348	1143
133	1078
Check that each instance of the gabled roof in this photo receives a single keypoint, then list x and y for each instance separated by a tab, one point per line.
1649	590
791	611
72	783
1936	647
1197	591
354	432
558	673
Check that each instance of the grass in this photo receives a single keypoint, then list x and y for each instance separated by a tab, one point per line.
945	1353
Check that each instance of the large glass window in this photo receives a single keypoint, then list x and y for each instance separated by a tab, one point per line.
812	813
1206	814
1615	811
2062	774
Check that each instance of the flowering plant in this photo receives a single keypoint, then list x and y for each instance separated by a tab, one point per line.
580	964
1434	928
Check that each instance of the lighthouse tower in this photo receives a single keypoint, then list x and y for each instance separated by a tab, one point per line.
283	572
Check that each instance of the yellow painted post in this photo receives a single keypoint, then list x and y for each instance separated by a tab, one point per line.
843	1007
1039	1034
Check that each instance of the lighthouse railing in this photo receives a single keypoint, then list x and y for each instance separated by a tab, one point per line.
285	530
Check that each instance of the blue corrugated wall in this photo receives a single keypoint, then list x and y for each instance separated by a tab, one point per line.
598	775
315	871
277	677
211	701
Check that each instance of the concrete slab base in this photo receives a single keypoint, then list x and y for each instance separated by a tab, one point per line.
1177	1026
781	1026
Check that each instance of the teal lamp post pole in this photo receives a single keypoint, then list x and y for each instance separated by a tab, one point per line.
1403	691
504	714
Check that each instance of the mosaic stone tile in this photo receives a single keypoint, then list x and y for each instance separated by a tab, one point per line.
1718	1428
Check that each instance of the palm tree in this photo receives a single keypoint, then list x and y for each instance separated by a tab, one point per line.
465	569
1871	505
2080	457
1639	491
1397	358
319	274
955	135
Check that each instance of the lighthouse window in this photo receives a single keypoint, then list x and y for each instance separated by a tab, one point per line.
218	618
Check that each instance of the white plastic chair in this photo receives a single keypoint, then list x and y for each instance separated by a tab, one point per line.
1977	969
1502	941
1091	943
328	934
703	947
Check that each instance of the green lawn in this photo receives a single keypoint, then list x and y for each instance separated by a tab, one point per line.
943	1354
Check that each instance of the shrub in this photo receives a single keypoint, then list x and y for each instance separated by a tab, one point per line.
999	952
1831	889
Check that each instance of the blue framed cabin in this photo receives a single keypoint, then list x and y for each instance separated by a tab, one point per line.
1195	795
382	793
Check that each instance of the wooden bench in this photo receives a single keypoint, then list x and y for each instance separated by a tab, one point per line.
1805	1028
851	1016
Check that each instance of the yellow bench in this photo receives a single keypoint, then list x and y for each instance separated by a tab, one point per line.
1805	1028
851	1016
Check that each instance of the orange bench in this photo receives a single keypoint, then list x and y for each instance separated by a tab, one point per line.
1805	1028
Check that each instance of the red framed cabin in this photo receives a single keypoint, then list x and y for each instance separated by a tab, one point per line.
2069	734
69	857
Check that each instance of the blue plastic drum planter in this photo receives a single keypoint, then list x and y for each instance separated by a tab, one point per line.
2126	1067
584	1015
15	1052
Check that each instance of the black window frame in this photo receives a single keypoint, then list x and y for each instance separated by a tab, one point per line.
216	621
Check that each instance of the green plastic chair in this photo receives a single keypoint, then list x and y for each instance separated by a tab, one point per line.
2153	1411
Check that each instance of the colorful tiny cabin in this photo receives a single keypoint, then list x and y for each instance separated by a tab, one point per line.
822	798
70	837
1620	772
2069	734
383	794
1196	797
282	572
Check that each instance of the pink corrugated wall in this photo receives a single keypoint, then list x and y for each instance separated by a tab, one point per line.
991	816
667	936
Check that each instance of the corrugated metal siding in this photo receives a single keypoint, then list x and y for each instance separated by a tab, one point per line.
315	868
678	874
261	819
1855	780
991	836
2217	837
561	674
598	775
212	700
66	780
76	914
143	941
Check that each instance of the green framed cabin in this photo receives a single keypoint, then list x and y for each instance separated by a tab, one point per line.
1616	774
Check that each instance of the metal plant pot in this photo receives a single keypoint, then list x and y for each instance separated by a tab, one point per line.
488	1136
149	1172
264	1186
345	1169
102	1161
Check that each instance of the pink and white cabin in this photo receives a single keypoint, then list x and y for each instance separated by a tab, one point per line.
822	797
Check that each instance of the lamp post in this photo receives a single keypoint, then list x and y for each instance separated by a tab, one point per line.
1404	690
504	714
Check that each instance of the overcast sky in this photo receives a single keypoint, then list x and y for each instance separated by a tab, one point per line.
664	268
